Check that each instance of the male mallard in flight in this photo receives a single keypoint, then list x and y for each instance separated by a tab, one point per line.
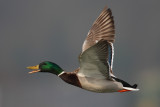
96	60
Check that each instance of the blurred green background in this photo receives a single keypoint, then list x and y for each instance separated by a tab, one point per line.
32	31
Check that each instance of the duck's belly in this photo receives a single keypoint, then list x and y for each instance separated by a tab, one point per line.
99	85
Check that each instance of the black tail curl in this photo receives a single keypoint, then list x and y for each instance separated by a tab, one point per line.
125	84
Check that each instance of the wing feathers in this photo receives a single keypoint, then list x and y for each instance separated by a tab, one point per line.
94	61
102	28
97	50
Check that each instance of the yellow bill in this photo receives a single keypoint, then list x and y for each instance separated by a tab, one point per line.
35	69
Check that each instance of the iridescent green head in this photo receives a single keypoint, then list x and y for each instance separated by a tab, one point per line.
46	67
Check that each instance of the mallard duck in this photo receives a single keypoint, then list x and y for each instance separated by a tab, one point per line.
96	60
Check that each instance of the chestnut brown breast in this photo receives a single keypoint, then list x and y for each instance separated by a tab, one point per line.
71	78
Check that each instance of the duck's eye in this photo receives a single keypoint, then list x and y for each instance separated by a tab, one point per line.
42	64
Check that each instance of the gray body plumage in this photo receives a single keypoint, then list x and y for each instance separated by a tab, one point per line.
99	85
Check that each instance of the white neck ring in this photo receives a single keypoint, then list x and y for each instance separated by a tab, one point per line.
61	73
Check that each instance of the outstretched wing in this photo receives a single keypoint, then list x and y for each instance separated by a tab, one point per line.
94	61
102	28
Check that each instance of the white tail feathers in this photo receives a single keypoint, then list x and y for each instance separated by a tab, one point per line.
131	89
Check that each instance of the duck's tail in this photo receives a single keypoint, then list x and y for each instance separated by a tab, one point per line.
126	86
130	89
134	86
